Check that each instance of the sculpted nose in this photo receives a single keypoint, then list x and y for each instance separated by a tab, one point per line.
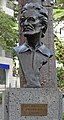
25	22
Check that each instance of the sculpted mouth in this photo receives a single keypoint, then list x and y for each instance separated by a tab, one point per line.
28	28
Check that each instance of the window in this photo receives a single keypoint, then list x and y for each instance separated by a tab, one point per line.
2	76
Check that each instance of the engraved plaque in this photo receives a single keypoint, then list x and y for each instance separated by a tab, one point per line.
34	109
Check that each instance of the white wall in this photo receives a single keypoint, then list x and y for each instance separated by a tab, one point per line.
57	30
15	83
7	10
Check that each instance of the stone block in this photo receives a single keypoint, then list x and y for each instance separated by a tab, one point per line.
14	98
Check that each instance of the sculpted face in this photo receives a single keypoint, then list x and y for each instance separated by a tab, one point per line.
31	24
33	19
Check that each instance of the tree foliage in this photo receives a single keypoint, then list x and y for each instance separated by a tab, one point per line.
58	15
8	31
60	3
59	50
60	77
58	11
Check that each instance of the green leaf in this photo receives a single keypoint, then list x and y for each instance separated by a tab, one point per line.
58	14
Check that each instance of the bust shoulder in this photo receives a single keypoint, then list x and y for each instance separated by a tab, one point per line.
22	48
45	51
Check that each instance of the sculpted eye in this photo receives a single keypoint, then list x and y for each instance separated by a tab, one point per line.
37	8
22	19
31	19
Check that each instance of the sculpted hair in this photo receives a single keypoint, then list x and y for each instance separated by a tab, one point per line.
41	12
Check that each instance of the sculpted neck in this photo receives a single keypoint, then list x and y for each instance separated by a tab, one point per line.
34	40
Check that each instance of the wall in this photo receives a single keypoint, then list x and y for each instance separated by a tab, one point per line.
6	9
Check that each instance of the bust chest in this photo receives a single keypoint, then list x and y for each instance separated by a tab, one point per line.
32	60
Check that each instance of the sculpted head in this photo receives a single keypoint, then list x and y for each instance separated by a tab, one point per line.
33	19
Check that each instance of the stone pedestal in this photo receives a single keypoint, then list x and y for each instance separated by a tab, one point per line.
14	99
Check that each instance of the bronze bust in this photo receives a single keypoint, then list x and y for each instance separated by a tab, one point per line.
33	54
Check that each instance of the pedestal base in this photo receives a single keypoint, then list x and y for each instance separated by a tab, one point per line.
25	104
